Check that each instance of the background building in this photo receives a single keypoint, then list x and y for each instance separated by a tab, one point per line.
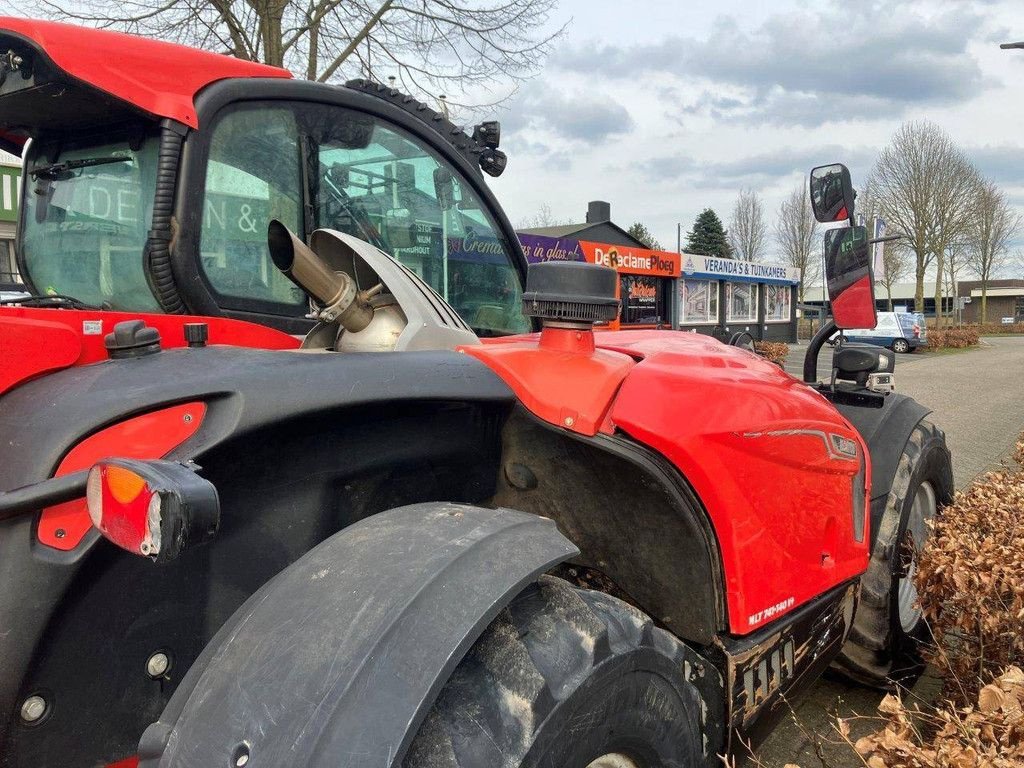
1005	300
665	289
10	188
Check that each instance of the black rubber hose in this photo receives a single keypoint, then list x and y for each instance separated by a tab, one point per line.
56	490
817	342
158	243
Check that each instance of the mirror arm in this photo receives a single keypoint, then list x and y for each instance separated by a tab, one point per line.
814	348
886	239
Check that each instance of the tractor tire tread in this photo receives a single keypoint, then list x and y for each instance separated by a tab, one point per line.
524	664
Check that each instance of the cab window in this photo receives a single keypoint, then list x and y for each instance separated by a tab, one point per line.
318	166
252	176
382	185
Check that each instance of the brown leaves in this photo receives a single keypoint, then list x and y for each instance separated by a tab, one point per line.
971	581
988	736
956	338
774	351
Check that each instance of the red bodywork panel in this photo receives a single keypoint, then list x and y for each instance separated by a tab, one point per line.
756	444
35	341
558	375
159	78
149	436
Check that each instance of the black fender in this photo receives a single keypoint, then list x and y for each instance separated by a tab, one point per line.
886	431
337	659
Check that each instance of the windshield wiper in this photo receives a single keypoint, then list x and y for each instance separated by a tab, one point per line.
47	299
62	171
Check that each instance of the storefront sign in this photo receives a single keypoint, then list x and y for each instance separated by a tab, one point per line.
537	248
738	271
632	261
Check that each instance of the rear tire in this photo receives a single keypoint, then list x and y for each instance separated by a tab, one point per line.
882	649
901	346
565	678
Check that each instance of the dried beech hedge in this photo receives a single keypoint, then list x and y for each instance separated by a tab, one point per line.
988	734
952	338
971	581
775	351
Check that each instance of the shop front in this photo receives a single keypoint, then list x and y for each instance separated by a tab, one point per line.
646	282
721	297
10	186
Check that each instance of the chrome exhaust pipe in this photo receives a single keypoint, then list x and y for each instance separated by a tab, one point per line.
336	291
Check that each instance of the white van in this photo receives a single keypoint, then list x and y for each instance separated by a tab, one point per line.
899	331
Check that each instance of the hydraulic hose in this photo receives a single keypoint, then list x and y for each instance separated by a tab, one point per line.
158	242
817	342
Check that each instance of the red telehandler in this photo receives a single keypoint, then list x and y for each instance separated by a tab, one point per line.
301	467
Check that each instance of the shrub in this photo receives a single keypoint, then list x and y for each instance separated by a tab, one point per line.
953	338
987	734
774	351
992	329
971	581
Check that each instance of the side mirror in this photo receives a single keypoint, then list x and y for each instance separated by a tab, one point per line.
832	193
850	277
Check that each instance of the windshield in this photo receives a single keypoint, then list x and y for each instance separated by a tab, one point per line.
87	212
406	200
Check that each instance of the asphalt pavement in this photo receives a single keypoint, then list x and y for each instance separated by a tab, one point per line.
977	397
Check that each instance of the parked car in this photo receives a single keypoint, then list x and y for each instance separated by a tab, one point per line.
899	331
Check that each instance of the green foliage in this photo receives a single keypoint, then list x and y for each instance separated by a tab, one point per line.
643	234
708	238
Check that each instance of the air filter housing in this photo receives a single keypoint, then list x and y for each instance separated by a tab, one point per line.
571	291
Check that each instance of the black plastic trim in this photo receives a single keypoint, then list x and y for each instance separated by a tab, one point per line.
337	660
195	290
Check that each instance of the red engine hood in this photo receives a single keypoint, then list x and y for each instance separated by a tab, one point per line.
152	77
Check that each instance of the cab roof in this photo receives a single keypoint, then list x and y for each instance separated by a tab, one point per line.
158	78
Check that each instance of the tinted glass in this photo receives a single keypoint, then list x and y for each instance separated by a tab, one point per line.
252	176
642	300
85	230
387	187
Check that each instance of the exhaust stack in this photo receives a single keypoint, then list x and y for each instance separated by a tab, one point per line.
336	291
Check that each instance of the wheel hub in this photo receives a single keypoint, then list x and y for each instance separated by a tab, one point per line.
921	515
613	760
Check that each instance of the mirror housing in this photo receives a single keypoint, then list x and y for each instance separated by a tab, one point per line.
832	193
850	277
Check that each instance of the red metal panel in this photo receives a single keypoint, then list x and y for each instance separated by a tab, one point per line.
160	78
559	375
150	436
34	341
31	346
756	444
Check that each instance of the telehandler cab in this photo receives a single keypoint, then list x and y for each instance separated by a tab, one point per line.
300	467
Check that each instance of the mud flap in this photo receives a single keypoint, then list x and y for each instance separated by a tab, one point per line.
337	660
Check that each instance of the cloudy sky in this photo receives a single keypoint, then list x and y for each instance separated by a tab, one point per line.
664	108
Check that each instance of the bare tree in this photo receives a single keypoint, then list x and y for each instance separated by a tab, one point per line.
993	226
544	217
796	233
748	232
924	188
896	256
460	48
956	263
